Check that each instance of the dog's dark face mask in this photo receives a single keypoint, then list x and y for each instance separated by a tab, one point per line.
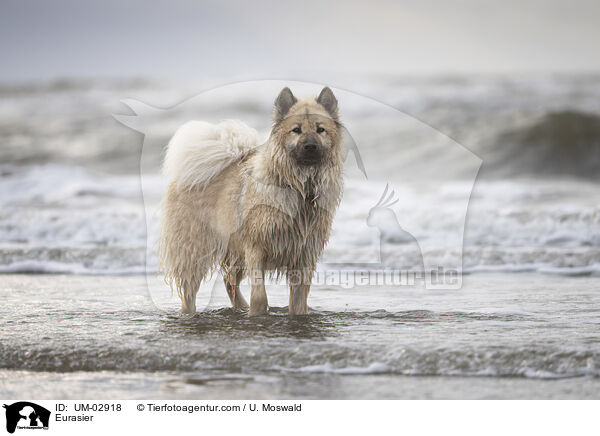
308	129
309	148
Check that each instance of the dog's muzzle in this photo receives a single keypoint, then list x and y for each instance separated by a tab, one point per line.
308	152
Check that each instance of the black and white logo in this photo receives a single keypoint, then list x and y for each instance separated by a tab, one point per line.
26	415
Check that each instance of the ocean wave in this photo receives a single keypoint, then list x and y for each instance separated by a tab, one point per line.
573	271
555	143
485	361
83	259
59	219
50	267
373	368
119	261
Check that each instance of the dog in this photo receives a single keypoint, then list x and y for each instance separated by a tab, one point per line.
252	209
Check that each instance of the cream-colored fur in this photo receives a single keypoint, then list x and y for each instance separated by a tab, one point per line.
251	209
199	150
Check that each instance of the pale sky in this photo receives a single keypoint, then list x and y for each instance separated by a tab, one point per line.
185	38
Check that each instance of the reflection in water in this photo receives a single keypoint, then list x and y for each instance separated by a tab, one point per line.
237	325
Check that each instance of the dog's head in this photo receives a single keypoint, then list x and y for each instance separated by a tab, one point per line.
308	130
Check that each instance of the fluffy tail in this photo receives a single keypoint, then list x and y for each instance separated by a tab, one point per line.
199	151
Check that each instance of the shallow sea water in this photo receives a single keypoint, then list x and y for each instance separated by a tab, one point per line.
500	336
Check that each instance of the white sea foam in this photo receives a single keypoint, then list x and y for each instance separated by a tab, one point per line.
54	215
373	368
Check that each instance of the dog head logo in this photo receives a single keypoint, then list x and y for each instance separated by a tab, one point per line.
26	415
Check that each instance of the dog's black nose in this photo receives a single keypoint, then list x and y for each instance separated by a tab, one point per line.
310	146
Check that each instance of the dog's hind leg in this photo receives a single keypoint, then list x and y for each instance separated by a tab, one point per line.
232	284
188	296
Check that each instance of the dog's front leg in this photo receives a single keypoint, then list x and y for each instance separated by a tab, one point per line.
258	295
299	299
299	289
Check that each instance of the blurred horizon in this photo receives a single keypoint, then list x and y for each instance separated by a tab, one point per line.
337	79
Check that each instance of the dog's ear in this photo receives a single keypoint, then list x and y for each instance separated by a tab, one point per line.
285	100
329	102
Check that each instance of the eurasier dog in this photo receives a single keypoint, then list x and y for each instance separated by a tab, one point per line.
252	209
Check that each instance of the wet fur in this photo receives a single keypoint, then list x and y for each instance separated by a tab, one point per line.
251	209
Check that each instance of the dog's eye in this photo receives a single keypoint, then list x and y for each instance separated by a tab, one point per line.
297	130
320	129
